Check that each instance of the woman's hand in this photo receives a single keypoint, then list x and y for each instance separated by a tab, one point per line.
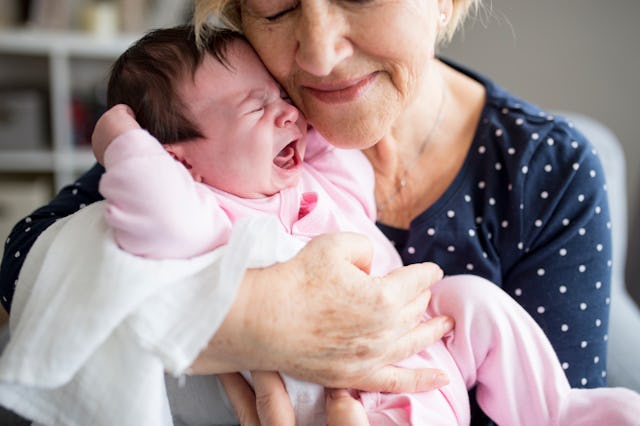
117	120
321	318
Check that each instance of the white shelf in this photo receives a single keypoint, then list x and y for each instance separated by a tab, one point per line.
61	50
70	43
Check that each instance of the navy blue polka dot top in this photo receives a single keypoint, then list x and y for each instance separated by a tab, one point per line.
528	211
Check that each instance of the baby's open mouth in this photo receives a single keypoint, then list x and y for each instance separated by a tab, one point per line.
288	157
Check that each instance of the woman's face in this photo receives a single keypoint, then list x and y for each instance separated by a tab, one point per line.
352	66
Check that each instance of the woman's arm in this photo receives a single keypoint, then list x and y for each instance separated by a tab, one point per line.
320	318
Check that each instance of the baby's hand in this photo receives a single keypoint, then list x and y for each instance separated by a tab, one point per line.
113	123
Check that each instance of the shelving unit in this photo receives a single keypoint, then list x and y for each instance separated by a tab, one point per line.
68	60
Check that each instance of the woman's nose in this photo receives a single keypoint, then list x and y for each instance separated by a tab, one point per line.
322	39
288	115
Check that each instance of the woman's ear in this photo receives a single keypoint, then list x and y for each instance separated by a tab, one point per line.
179	154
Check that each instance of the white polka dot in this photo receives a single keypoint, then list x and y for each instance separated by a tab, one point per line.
8	240
541	309
582	231
563	289
607	300
544	195
609	263
583	381
592	173
498	166
511	151
596	359
74	192
575	166
481	184
550	141
504	224
599	247
510	187
451	214
82	206
603	374
525	170
470	267
472	232
598	322
518	292
540	272
565	365
548	168
606	338
598	210
574	144
431	231
479	220
562	252
520	245
28	220
582	268
564	327
583	344
498	132
16	254
505	111
538	223
411	250
27	229
581	197
566	222
484	254
583	306
467	198
598	284
535	136
482	149
489	235
451	249
492	201
519	121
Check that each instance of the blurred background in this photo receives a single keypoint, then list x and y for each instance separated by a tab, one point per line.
570	55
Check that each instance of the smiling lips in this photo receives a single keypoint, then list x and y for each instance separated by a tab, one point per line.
343	92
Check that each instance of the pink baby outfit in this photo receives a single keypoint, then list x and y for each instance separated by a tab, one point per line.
157	210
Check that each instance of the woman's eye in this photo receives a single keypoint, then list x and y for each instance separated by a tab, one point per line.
278	15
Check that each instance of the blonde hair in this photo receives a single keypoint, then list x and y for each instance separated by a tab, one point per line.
226	13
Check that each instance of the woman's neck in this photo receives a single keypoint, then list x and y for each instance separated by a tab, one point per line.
424	150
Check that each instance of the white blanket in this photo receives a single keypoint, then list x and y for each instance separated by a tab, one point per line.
93	328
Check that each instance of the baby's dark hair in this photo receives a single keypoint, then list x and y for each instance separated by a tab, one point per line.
146	75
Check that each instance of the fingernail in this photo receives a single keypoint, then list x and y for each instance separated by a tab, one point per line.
441	379
448	324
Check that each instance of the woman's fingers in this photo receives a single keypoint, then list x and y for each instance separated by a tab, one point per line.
242	398
343	409
272	399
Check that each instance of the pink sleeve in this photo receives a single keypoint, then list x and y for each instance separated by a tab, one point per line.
154	206
348	169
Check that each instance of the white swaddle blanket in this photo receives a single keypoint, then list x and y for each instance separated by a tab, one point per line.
93	329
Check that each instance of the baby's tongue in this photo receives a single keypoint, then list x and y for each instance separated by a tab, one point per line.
284	159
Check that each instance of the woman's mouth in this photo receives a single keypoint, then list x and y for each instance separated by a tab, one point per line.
343	92
288	157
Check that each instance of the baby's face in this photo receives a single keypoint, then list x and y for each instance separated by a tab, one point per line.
254	138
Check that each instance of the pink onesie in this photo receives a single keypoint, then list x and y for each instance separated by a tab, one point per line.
157	210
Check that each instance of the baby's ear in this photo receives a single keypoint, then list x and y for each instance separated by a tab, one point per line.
178	154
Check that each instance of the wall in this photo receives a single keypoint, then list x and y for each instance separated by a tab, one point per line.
578	55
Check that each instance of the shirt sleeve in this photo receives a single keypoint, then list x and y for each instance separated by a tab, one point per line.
154	206
70	199
560	271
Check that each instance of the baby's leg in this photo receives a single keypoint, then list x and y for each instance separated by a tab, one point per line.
500	348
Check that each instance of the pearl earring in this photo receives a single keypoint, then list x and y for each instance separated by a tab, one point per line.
443	18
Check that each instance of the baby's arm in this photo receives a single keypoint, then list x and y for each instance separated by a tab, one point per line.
153	205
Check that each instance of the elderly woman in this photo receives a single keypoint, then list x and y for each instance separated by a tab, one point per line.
467	176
